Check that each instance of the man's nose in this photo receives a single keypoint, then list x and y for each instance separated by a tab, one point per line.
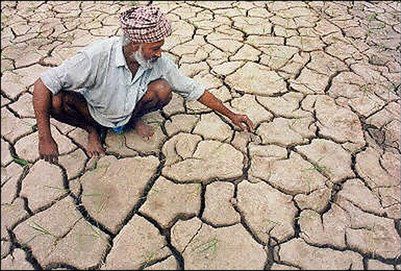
158	53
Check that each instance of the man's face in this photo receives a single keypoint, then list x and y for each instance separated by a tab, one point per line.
152	51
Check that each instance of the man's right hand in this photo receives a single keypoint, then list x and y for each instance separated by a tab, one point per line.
48	150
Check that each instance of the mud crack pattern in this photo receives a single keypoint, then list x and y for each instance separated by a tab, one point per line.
317	186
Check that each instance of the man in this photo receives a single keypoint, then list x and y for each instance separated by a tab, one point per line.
112	83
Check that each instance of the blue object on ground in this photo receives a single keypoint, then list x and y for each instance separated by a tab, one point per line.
118	130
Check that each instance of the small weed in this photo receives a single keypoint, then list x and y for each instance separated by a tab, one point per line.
302	215
101	170
272	222
372	17
210	245
270	225
381	25
332	66
92	195
56	188
372	239
319	168
302	42
42	231
158	122
96	234
381	46
369	33
20	161
149	258
195	192
350	123
5	18
153	192
273	56
272	177
295	122
215	152
103	202
133	3
308	183
67	38
30	9
366	89
100	200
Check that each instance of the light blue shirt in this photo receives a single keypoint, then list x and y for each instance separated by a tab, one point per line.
100	73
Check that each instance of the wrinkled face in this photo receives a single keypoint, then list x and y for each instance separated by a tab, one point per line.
152	51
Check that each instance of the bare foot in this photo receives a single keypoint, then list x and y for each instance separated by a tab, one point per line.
95	147
143	130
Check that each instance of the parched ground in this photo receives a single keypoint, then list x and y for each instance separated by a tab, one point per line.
317	186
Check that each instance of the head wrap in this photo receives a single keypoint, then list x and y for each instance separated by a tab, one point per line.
145	24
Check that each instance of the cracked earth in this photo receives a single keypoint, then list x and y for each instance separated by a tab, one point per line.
317	186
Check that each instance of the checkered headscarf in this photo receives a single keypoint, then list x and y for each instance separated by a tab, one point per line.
145	24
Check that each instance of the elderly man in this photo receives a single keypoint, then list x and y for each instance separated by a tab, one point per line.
112	83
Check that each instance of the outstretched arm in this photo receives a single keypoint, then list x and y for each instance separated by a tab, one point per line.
212	102
42	98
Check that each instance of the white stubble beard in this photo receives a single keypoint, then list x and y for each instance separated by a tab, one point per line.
138	57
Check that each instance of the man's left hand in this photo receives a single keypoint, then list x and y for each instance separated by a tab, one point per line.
243	122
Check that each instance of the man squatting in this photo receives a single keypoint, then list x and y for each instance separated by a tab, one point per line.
112	83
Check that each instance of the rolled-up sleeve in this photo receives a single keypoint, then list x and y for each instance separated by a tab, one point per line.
188	88
72	75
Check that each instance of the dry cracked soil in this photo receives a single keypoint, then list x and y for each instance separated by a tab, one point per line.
316	186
